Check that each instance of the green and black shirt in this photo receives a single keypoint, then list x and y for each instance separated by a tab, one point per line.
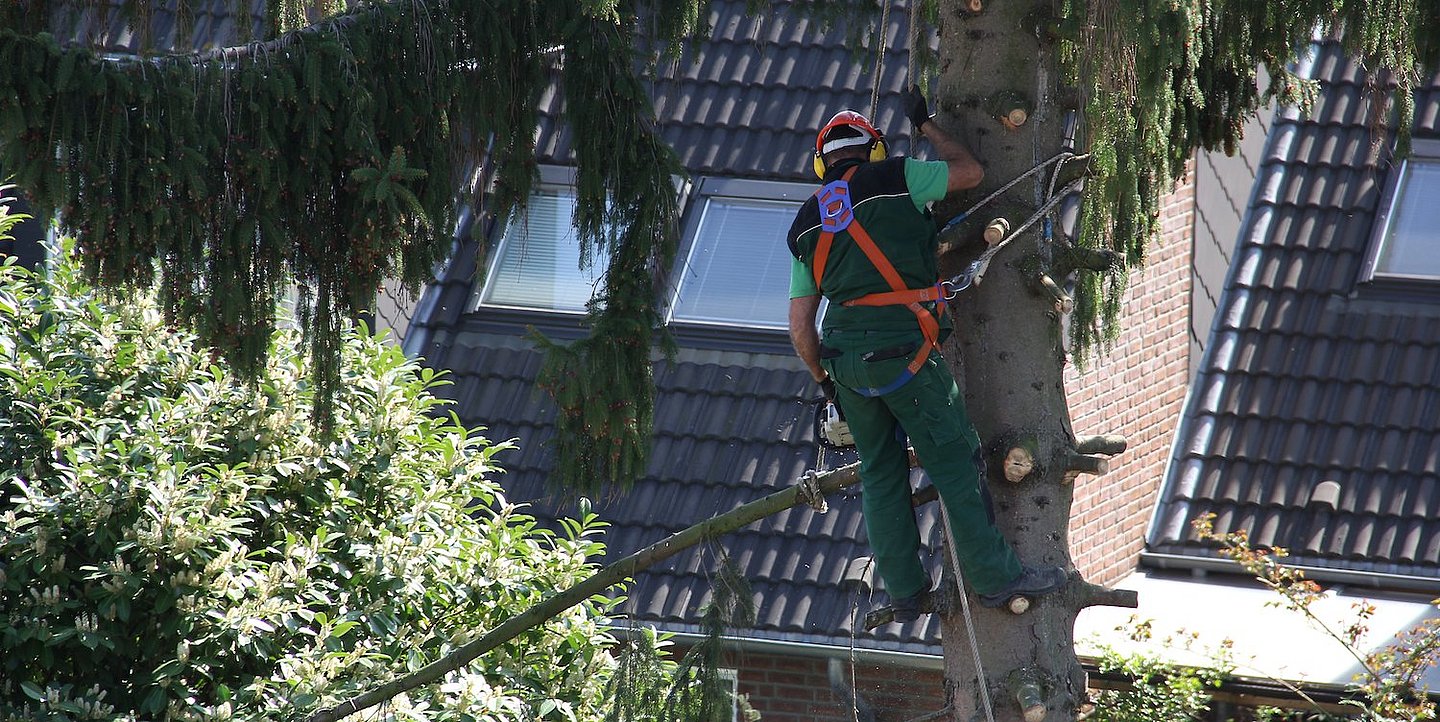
889	199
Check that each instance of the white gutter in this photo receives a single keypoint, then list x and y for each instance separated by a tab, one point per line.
1350	577
812	650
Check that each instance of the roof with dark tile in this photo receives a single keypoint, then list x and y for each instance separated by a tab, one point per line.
206	25
746	101
1310	377
732	421
730	428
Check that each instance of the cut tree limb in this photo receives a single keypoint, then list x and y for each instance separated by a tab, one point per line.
1094	595
1077	257
1028	688
1063	302
1107	444
1085	464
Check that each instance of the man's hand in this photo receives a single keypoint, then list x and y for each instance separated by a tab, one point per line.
827	387
916	109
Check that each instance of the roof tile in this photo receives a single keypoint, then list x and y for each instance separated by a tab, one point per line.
1307	379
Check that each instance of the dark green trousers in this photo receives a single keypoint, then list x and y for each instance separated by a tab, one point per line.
930	411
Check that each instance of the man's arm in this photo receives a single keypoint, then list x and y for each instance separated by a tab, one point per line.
965	171
803	335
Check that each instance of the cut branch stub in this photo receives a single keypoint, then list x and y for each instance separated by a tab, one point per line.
1010	107
1018	604
1094	595
1019	462
1027	686
996	230
1063	302
1107	444
1076	464
973	7
1091	259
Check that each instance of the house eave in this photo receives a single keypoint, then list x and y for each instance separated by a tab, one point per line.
1350	577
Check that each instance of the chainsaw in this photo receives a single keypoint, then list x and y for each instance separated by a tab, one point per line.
832	431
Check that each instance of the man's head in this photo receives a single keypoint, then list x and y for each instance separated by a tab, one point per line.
847	135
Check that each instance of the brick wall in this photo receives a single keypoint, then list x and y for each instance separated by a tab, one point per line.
798	689
1136	390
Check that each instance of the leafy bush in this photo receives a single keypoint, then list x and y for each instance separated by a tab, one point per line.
1159	692
179	545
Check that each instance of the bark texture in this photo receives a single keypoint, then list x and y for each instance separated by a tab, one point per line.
1007	353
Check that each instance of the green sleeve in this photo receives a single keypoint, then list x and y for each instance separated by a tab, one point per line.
927	180
802	282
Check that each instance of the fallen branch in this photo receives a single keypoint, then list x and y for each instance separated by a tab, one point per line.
827	482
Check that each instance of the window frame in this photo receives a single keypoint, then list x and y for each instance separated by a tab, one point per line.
737	189
552	179
1422	149
731	676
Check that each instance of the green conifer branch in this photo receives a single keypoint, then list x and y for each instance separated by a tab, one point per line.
1159	80
326	158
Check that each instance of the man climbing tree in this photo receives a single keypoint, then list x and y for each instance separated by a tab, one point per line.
339	169
867	243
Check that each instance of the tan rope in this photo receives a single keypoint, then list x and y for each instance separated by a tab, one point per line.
912	37
879	60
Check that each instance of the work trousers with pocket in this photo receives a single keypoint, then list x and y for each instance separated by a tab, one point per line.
930	411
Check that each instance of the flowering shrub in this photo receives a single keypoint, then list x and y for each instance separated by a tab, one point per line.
1159	691
1390	684
176	544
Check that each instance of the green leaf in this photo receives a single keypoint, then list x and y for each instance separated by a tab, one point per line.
155	701
32	691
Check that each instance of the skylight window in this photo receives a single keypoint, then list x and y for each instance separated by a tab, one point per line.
1408	247
737	269
537	261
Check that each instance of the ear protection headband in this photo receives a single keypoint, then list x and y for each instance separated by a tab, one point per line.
869	136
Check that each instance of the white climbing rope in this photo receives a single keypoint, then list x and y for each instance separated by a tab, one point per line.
1062	158
969	622
976	270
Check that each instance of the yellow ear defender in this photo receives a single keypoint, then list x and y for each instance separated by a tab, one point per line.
878	152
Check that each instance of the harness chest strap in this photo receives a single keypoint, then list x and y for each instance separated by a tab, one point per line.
836	214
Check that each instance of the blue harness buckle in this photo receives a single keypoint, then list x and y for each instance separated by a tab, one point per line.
835	211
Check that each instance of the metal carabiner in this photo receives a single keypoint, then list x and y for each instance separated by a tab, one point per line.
954	285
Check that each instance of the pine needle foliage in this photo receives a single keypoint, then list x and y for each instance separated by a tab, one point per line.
646	686
698	694
330	158
642	675
602	384
1161	78
329	155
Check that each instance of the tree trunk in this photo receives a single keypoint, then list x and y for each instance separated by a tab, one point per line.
1008	356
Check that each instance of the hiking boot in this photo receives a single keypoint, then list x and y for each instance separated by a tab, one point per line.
907	609
1032	582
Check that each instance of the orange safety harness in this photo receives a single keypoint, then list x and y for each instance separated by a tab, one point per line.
837	214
